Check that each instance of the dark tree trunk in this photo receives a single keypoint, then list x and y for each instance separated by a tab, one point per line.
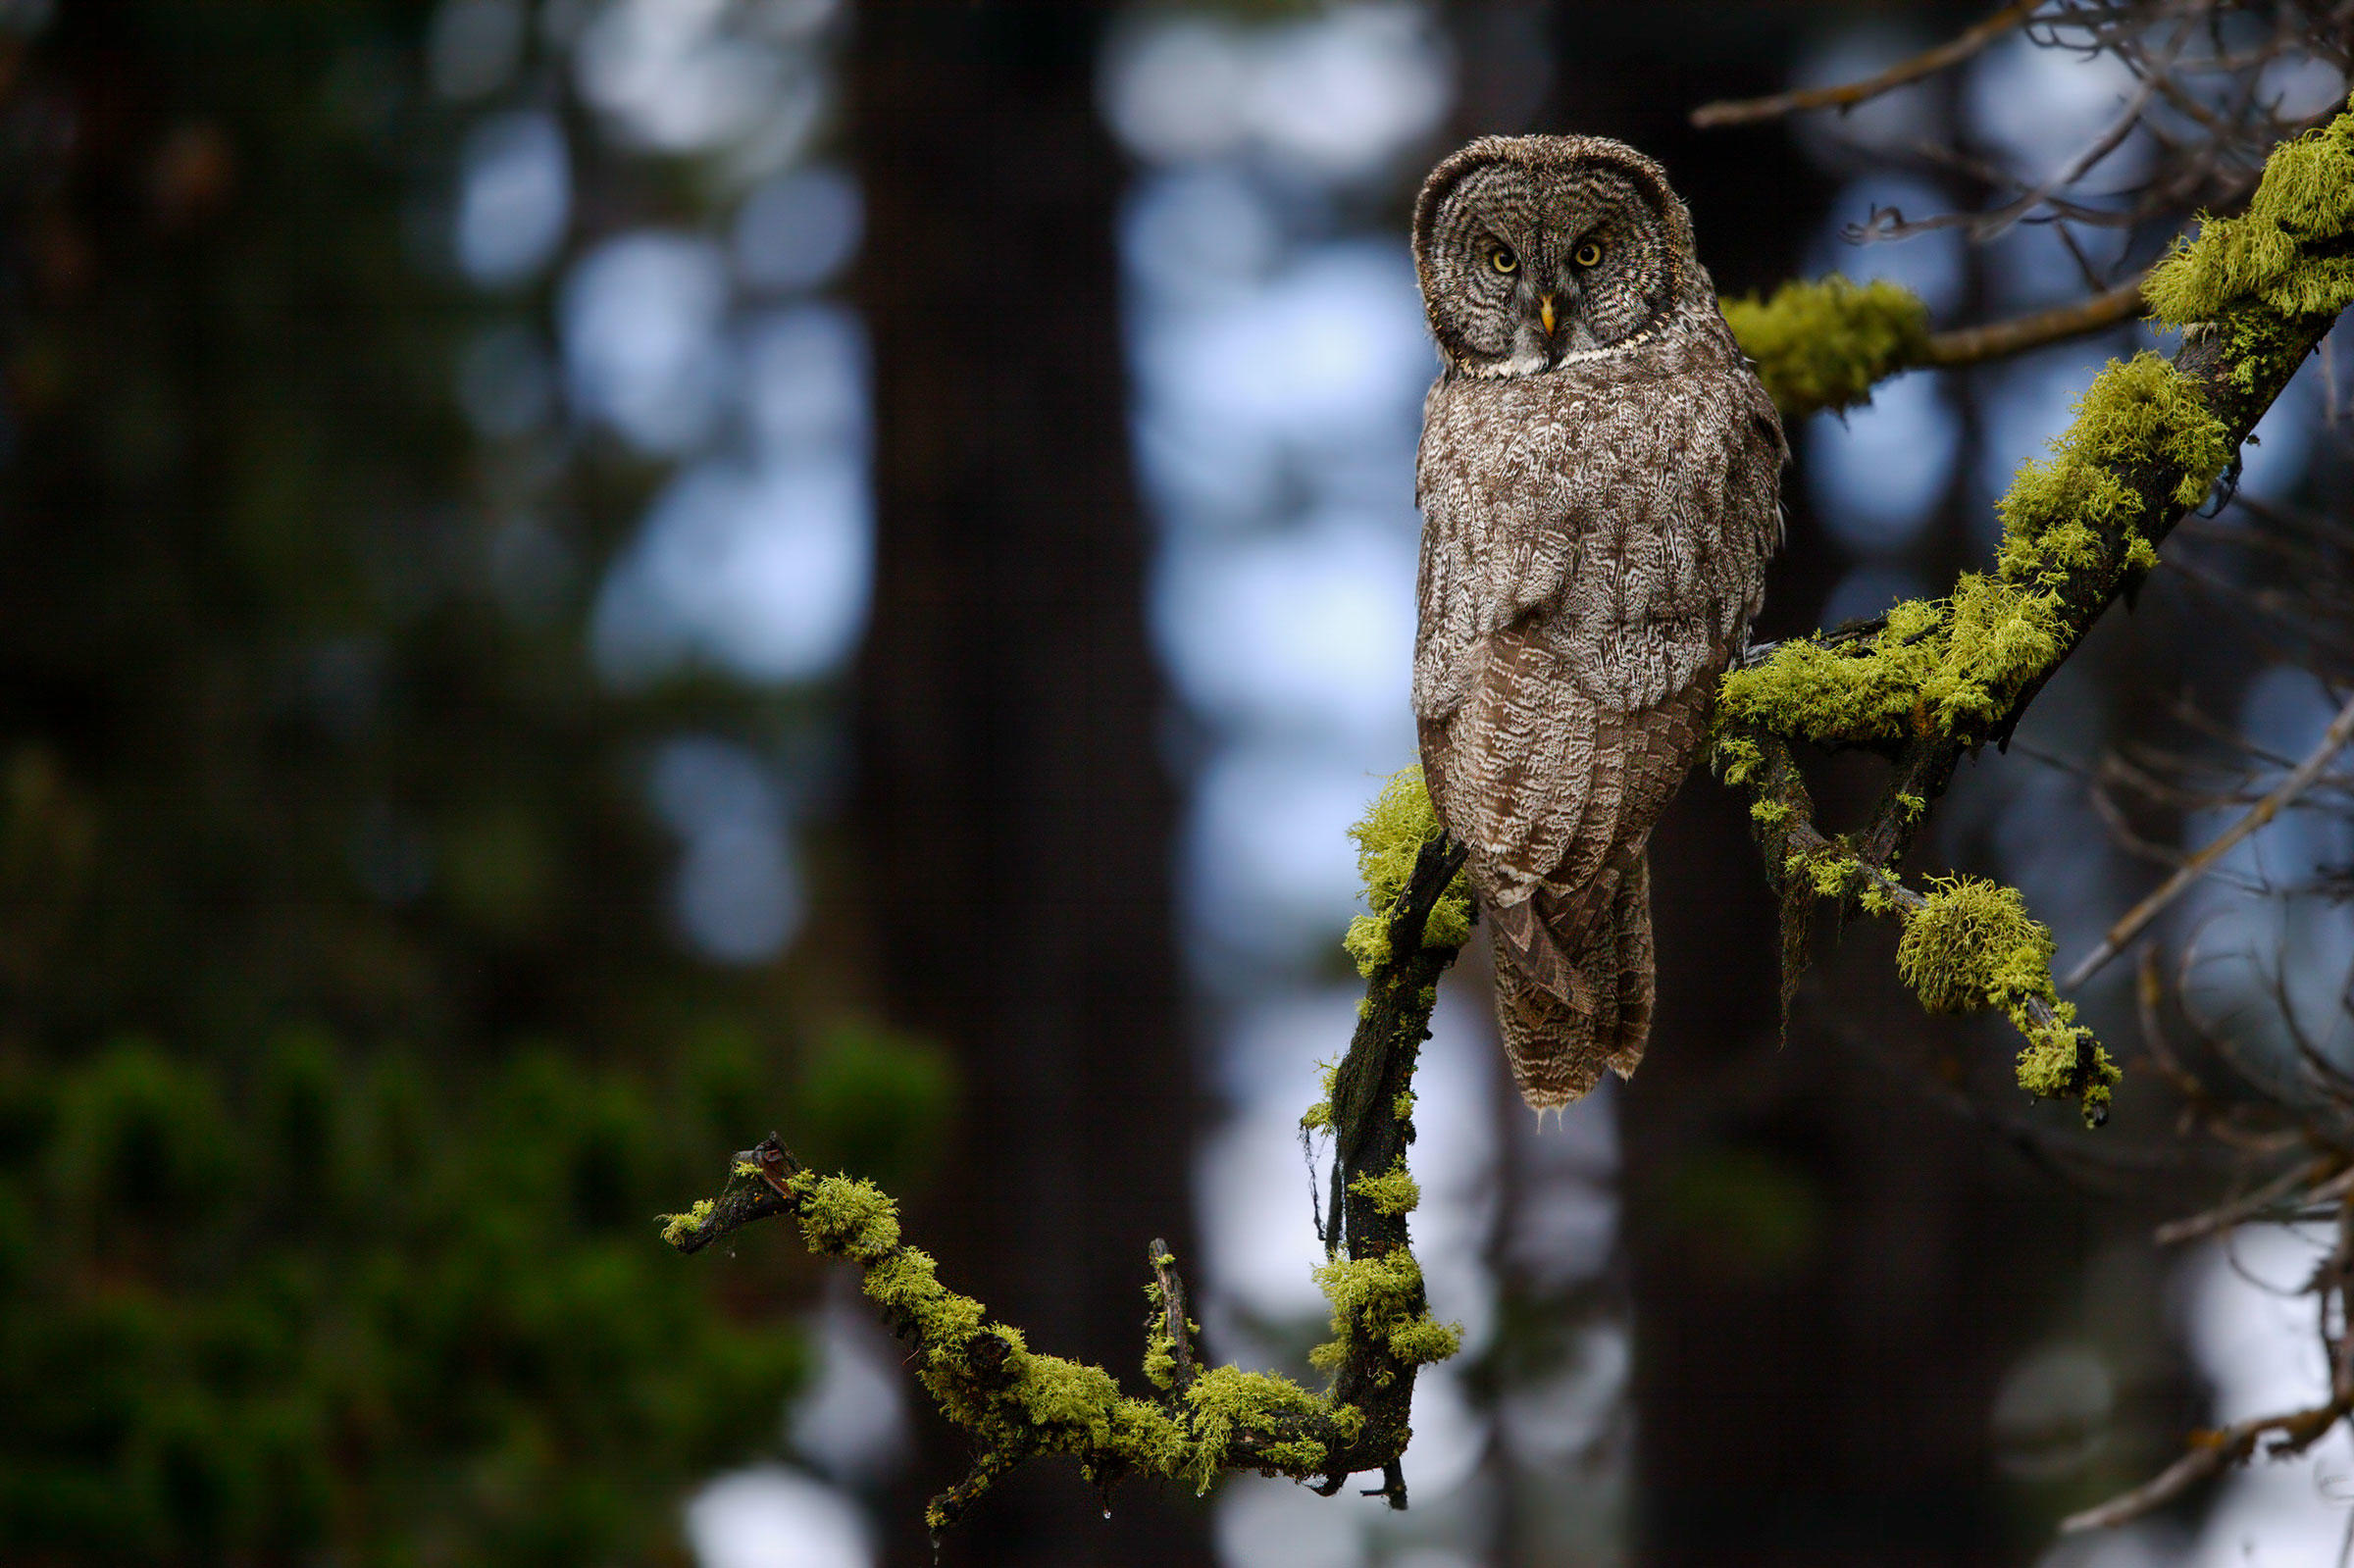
1016	816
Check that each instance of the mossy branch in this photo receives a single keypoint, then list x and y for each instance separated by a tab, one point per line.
1826	342
1017	1404
1936	679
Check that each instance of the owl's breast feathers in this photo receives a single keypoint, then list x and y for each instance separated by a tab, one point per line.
1593	546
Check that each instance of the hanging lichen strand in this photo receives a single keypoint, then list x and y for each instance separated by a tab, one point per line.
1936	679
1017	1403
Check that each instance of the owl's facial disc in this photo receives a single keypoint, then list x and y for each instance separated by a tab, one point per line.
1531	260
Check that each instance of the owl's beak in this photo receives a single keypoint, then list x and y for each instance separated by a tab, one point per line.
1545	312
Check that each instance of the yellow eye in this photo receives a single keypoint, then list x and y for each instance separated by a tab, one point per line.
1503	259
1588	254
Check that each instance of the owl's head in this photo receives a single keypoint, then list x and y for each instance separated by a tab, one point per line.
1532	249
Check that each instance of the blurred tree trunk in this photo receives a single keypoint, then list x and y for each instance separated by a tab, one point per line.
1829	1270
1016	818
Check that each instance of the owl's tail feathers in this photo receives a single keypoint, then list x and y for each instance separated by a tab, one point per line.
1557	1049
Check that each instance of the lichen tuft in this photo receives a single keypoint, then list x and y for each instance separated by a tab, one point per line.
1389	840
1973	944
845	1216
1394	1192
676	1228
2059	515
2061	1059
1824	343
2265	257
1227	1404
1317	1118
1378	1300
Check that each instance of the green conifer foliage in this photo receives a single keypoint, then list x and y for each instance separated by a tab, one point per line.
345	1044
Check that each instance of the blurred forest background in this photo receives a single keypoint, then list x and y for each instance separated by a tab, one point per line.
580	579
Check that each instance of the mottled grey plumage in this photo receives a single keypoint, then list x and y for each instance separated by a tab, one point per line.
1598	481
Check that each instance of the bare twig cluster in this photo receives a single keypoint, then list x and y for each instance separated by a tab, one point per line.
2300	778
2292	1136
2264	1088
2206	105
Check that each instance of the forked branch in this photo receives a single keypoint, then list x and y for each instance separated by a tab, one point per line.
1016	1404
1938	680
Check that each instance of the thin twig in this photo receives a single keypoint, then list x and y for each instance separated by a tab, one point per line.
2136	919
2242	1209
1738	112
1975	345
2213	1453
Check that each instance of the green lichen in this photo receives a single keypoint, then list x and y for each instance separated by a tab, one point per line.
1144	1438
2059	514
845	1217
1858	690
2062	1058
1956	665
1161	1347
1824	344
2265	257
1317	1118
1422	1340
944	1323
2002	637
1388	840
1160	1359
1736	758
1833	875
1227	1404
1973	944
676	1228
1015	1403
1379	1300
2144	436
1950	666
1071	1407
1394	1192
1067	1397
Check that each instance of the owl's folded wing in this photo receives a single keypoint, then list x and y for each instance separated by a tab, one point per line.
1570	797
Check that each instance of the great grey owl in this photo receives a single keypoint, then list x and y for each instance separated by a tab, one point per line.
1598	483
